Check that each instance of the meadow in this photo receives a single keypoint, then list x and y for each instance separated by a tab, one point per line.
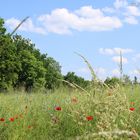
67	114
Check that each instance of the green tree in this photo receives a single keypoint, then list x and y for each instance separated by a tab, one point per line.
135	81
72	78
126	80
112	81
21	64
9	65
32	73
53	74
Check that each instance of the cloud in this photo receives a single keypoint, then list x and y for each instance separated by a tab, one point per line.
86	18
115	72
27	26
131	20
120	4
117	59
132	11
106	51
114	51
62	21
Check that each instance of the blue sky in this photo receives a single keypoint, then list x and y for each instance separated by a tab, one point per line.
97	29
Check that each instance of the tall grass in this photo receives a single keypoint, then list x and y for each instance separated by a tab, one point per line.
35	116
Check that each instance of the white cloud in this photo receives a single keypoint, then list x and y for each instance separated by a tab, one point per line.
86	18
114	51
26	26
131	20
106	51
123	51
115	72
132	11
120	4
117	59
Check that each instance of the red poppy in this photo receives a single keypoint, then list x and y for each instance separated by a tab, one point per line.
11	119
132	108
89	118
2	119
58	108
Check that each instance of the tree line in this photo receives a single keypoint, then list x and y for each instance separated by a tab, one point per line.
23	65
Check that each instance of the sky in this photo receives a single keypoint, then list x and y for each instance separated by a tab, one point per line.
97	29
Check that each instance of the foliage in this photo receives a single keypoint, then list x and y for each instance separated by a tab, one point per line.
22	65
112	115
72	78
112	81
126	80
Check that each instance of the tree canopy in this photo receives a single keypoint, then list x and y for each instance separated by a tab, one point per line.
22	65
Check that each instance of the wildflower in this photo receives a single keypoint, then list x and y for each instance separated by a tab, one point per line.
132	108
2	119
11	119
89	118
58	108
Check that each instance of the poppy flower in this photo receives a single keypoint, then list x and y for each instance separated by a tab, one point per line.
132	108
89	118
58	108
2	119
11	119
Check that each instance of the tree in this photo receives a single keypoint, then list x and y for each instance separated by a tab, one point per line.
32	73
135	81
53	74
21	64
126	80
72	78
112	81
9	65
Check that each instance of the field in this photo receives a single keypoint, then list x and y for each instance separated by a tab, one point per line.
67	114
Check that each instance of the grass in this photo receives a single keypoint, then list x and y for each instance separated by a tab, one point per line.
35	115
